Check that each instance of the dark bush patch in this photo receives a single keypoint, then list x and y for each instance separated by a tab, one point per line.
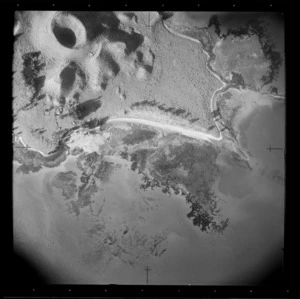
214	21
96	122
226	95
162	107
139	159
86	108
104	170
33	64
194	120
27	168
138	136
238	80
124	155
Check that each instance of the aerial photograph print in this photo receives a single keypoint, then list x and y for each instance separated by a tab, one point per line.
149	146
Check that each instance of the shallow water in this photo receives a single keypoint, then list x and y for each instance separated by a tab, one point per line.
264	127
253	201
267	128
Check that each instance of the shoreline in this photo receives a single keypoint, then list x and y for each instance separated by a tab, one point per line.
187	132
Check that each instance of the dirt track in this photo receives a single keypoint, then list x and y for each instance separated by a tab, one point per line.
173	128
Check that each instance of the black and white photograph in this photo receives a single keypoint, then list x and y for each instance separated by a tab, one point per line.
149	147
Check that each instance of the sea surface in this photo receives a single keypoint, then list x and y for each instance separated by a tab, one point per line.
247	252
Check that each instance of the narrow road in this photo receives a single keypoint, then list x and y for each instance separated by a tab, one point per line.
213	105
187	132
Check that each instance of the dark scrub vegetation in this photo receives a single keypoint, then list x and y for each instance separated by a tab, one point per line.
138	136
162	107
66	181
191	166
139	159
33	161
33	64
84	109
